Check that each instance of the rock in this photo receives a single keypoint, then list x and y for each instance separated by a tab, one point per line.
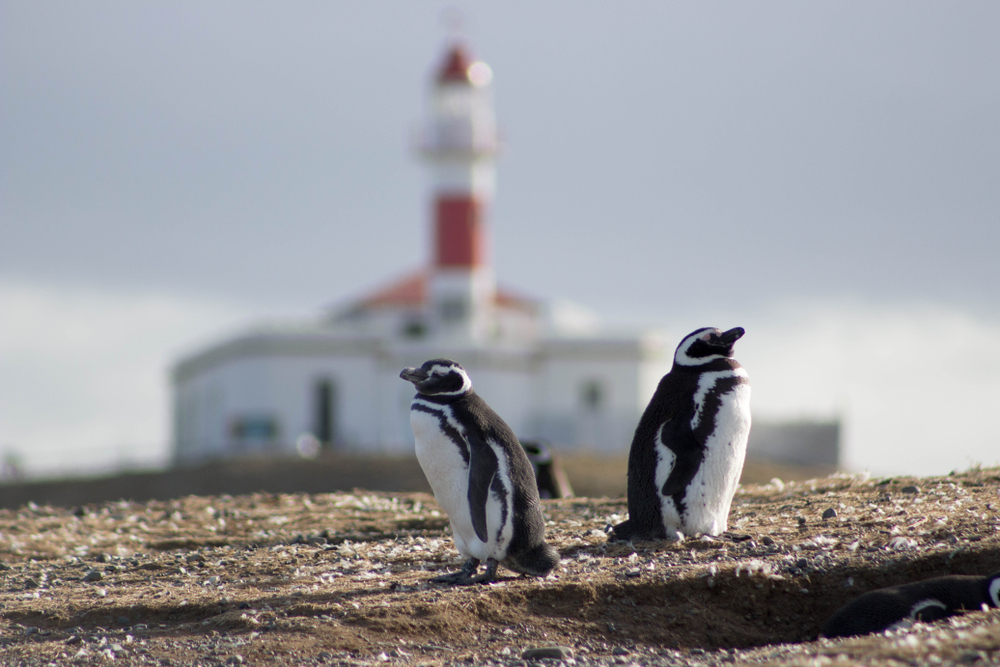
619	650
830	513
235	660
93	575
550	652
912	488
767	541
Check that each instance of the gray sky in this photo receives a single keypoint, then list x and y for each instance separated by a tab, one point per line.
664	162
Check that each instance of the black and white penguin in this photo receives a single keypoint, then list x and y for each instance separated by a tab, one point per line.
688	449
480	476
927	600
550	477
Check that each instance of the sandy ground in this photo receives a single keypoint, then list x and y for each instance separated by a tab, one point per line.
341	579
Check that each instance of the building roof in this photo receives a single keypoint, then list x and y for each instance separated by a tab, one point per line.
411	291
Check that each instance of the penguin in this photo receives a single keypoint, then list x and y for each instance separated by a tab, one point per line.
549	475
688	449
480	476
927	600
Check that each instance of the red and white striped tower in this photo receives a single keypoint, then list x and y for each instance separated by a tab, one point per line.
460	142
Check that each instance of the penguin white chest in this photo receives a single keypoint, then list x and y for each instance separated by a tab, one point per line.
440	441
724	408
710	494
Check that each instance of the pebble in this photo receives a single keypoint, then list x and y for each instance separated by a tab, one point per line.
93	575
619	650
830	513
913	488
550	652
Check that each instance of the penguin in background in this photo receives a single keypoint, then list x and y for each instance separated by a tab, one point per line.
928	600
687	453
550	477
480	476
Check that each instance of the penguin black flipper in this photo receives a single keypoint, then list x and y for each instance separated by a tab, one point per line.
483	467
688	454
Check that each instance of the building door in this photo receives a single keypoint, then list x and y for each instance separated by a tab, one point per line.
324	413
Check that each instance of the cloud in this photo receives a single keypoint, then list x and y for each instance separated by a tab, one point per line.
84	372
918	384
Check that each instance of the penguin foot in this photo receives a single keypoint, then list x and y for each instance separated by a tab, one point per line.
455	578
735	537
621	532
628	530
486	577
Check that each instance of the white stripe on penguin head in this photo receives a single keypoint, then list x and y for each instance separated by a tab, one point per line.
439	369
925	604
681	357
995	591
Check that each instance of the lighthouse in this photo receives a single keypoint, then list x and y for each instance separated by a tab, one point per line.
335	379
459	143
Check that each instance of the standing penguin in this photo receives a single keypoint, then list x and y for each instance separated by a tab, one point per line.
928	600
480	475
687	452
550	478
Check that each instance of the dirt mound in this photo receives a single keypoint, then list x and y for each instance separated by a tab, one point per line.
340	578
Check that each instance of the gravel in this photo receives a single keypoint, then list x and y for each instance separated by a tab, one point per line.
341	579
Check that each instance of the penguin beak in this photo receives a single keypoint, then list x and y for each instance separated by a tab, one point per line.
729	337
414	375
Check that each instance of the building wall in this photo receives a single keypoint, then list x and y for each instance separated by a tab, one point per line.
243	398
258	404
258	395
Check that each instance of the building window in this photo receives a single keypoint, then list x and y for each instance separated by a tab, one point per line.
414	329
592	395
250	432
324	413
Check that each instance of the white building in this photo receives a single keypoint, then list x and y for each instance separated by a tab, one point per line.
336	380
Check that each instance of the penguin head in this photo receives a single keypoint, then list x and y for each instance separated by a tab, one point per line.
537	451
705	345
993	589
439	377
